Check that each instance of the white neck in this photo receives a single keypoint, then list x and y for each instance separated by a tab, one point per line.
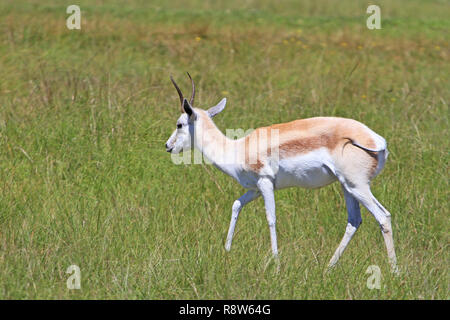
215	146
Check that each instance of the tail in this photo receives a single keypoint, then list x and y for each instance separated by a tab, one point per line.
381	145
381	152
356	144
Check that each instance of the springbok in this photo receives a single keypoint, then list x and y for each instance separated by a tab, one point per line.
309	153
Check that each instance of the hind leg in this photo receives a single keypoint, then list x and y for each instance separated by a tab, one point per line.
386	230
353	222
383	217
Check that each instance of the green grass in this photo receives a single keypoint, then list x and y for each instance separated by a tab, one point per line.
85	179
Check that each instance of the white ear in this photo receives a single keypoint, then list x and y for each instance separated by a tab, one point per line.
217	108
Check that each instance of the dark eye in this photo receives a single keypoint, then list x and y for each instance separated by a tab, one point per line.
179	126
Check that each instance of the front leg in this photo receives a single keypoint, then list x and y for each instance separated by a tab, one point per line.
237	207
265	186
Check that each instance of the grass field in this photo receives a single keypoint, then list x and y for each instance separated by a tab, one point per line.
85	178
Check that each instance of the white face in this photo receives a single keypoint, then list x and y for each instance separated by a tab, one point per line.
180	140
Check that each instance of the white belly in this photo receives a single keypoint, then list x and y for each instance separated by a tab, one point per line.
310	170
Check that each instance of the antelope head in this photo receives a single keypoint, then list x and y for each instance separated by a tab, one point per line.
182	139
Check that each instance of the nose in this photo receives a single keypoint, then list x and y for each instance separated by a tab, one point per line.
167	147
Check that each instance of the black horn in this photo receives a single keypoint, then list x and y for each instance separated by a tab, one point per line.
191	101
180	94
